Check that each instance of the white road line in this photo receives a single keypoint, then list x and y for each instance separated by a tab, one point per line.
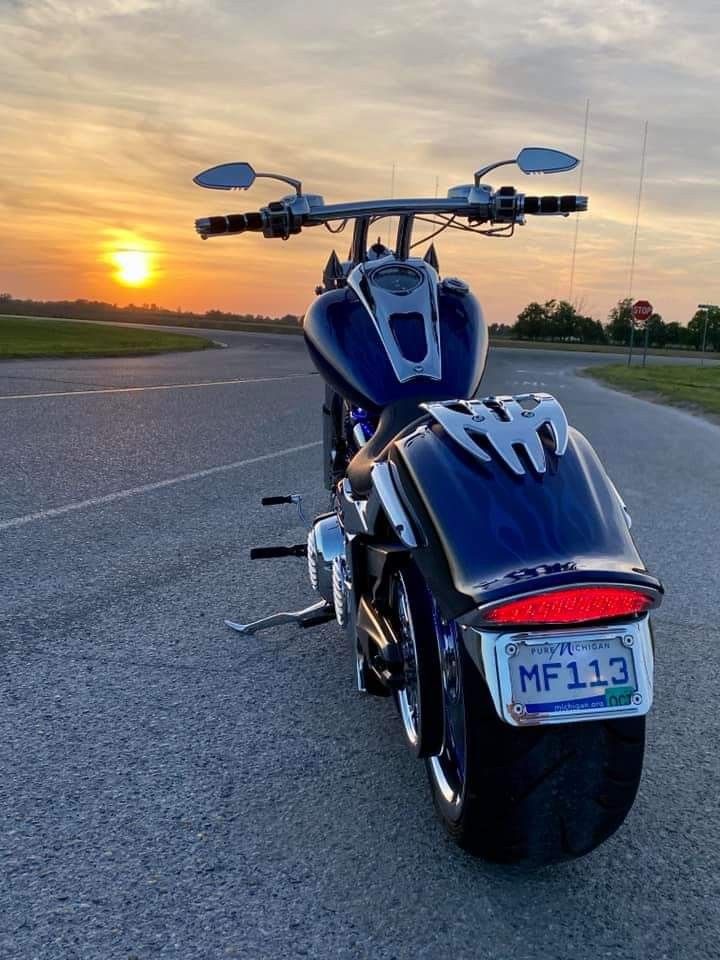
149	487
163	386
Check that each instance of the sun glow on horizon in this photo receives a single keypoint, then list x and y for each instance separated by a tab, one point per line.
133	267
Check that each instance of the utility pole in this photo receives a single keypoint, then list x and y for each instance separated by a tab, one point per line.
392	197
707	307
635	237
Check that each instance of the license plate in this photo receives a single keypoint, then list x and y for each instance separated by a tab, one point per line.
556	678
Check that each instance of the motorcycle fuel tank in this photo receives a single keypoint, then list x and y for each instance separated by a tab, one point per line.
347	348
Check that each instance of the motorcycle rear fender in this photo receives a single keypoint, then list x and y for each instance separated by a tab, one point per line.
486	533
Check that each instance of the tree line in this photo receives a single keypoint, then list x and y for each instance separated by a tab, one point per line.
132	313
558	320
554	320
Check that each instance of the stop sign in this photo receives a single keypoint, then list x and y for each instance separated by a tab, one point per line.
642	310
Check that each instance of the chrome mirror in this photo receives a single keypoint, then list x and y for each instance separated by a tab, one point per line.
542	160
534	160
227	176
238	176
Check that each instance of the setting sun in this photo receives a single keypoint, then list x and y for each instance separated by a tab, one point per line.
133	267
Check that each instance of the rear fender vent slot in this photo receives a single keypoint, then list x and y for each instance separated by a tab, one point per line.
481	441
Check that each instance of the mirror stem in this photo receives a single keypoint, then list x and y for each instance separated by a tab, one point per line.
277	176
481	173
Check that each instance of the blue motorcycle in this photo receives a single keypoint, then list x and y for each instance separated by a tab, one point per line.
475	553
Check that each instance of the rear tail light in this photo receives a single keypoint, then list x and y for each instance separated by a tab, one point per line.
571	605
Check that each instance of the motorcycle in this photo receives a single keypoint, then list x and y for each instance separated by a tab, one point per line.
476	554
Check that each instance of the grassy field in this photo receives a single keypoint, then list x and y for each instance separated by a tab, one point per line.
24	337
683	386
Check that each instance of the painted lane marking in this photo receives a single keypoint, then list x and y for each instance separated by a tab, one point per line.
162	386
149	487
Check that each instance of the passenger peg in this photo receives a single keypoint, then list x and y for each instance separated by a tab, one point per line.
290	498
270	553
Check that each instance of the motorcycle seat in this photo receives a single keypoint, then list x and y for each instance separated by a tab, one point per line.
394	418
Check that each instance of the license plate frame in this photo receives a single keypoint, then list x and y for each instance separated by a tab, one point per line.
532	668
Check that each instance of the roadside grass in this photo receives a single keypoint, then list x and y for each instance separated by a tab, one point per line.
682	386
26	337
594	348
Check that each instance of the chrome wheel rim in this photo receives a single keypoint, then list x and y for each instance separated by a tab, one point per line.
409	697
447	769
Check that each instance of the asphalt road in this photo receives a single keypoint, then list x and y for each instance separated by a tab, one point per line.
169	789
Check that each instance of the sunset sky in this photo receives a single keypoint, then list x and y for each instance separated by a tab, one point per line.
110	107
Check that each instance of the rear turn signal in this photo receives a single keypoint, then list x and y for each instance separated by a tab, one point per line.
575	605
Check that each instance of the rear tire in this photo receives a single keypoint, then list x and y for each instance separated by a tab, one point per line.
419	702
535	795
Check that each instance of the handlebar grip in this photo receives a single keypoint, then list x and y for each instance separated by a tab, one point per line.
232	223
553	205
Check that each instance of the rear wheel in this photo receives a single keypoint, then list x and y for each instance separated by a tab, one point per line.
537	795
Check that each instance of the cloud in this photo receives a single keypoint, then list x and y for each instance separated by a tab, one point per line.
110	106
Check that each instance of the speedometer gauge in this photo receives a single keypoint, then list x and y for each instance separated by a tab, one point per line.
396	279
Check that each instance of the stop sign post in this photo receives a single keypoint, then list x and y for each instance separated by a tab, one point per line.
642	310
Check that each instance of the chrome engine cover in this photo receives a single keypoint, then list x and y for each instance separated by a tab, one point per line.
325	542
340	590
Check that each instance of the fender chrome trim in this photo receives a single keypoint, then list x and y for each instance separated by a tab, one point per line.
384	486
505	423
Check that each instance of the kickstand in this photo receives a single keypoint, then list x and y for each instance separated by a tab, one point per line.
317	613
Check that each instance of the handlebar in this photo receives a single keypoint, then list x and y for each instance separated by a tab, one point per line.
286	217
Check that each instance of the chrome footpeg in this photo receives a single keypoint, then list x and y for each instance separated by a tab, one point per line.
312	616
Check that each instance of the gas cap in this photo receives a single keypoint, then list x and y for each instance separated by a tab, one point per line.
453	285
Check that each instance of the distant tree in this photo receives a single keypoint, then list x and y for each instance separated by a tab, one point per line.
675	334
590	330
564	320
657	331
619	319
532	322
557	320
5	297
696	329
500	330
